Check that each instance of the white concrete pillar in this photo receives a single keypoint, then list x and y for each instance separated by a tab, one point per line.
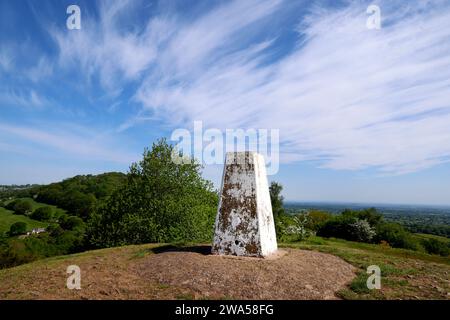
244	222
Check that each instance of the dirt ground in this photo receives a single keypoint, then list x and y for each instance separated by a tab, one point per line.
148	272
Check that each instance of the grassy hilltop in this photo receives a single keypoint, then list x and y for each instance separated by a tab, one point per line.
405	274
123	273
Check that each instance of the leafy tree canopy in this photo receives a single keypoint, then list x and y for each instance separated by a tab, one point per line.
162	201
79	195
276	199
22	207
17	228
42	213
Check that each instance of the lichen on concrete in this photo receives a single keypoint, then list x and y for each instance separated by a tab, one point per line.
244	223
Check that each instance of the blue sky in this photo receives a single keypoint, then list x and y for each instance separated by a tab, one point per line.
363	114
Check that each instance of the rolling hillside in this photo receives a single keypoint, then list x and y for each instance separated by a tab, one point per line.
7	218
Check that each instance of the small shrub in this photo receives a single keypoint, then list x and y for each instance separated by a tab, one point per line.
71	222
317	218
22	207
347	227
297	229
42	214
292	227
434	246
361	231
11	204
17	228
55	230
371	215
396	236
334	228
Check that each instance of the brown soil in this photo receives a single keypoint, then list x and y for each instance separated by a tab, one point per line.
148	272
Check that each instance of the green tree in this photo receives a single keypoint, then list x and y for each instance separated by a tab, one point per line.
71	223
276	199
434	246
347	226
362	231
23	207
11	204
395	235
79	195
17	228
42	213
79	204
162	201
55	230
371	215
317	218
281	219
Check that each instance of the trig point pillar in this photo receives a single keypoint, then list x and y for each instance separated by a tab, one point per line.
244	223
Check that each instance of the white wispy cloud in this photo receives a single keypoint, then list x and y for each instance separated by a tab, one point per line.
103	50
344	96
348	97
87	144
6	60
28	98
41	70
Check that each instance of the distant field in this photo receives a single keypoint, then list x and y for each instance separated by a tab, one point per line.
7	218
422	236
383	208
38	205
415	218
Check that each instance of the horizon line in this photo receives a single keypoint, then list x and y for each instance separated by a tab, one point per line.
365	203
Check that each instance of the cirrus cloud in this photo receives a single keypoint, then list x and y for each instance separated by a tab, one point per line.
343	96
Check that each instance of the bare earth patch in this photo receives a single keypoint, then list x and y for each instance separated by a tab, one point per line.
151	272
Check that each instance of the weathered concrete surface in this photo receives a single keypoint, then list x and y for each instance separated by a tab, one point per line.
244	223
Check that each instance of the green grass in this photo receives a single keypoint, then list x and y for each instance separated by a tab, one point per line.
405	274
36	205
7	218
423	236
